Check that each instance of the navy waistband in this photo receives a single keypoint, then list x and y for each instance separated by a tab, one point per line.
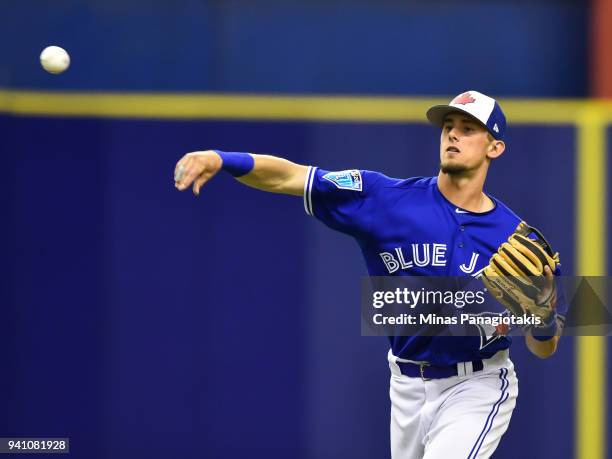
426	371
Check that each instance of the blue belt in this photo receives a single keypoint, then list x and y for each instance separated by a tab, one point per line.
426	371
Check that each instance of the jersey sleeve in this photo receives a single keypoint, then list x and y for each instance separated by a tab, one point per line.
343	200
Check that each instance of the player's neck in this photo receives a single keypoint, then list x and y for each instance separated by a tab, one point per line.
465	192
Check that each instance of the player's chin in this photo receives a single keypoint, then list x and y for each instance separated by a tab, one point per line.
453	167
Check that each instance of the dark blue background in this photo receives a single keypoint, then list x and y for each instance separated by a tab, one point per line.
519	48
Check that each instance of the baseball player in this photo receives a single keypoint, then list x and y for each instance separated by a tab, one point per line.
451	397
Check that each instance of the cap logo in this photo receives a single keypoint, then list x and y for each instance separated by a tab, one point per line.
463	99
496	128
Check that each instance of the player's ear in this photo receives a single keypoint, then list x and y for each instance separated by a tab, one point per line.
495	149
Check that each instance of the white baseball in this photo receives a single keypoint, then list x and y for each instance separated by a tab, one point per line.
54	59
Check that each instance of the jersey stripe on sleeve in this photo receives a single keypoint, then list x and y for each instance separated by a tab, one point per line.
308	189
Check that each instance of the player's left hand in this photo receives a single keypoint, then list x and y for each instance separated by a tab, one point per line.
520	275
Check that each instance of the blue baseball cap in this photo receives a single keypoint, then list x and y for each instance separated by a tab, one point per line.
482	108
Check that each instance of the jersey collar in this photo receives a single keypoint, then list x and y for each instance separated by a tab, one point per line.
461	211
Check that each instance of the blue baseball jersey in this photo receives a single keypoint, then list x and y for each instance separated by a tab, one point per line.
406	227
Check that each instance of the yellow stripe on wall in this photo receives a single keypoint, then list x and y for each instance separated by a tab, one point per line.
590	257
266	107
215	106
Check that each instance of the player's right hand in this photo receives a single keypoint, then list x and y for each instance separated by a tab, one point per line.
195	169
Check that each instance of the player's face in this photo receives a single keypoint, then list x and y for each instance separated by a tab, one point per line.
463	145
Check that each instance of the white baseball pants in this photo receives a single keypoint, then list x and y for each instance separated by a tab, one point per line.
461	417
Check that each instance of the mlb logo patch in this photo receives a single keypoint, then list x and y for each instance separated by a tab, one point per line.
346	180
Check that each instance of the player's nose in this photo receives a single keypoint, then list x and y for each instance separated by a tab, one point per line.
453	134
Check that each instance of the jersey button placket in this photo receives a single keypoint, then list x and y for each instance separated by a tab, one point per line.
462	231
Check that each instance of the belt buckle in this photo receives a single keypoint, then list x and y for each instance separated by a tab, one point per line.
422	365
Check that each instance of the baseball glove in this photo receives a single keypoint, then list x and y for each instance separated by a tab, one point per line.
516	277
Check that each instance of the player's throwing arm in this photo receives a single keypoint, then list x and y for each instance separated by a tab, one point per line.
266	173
